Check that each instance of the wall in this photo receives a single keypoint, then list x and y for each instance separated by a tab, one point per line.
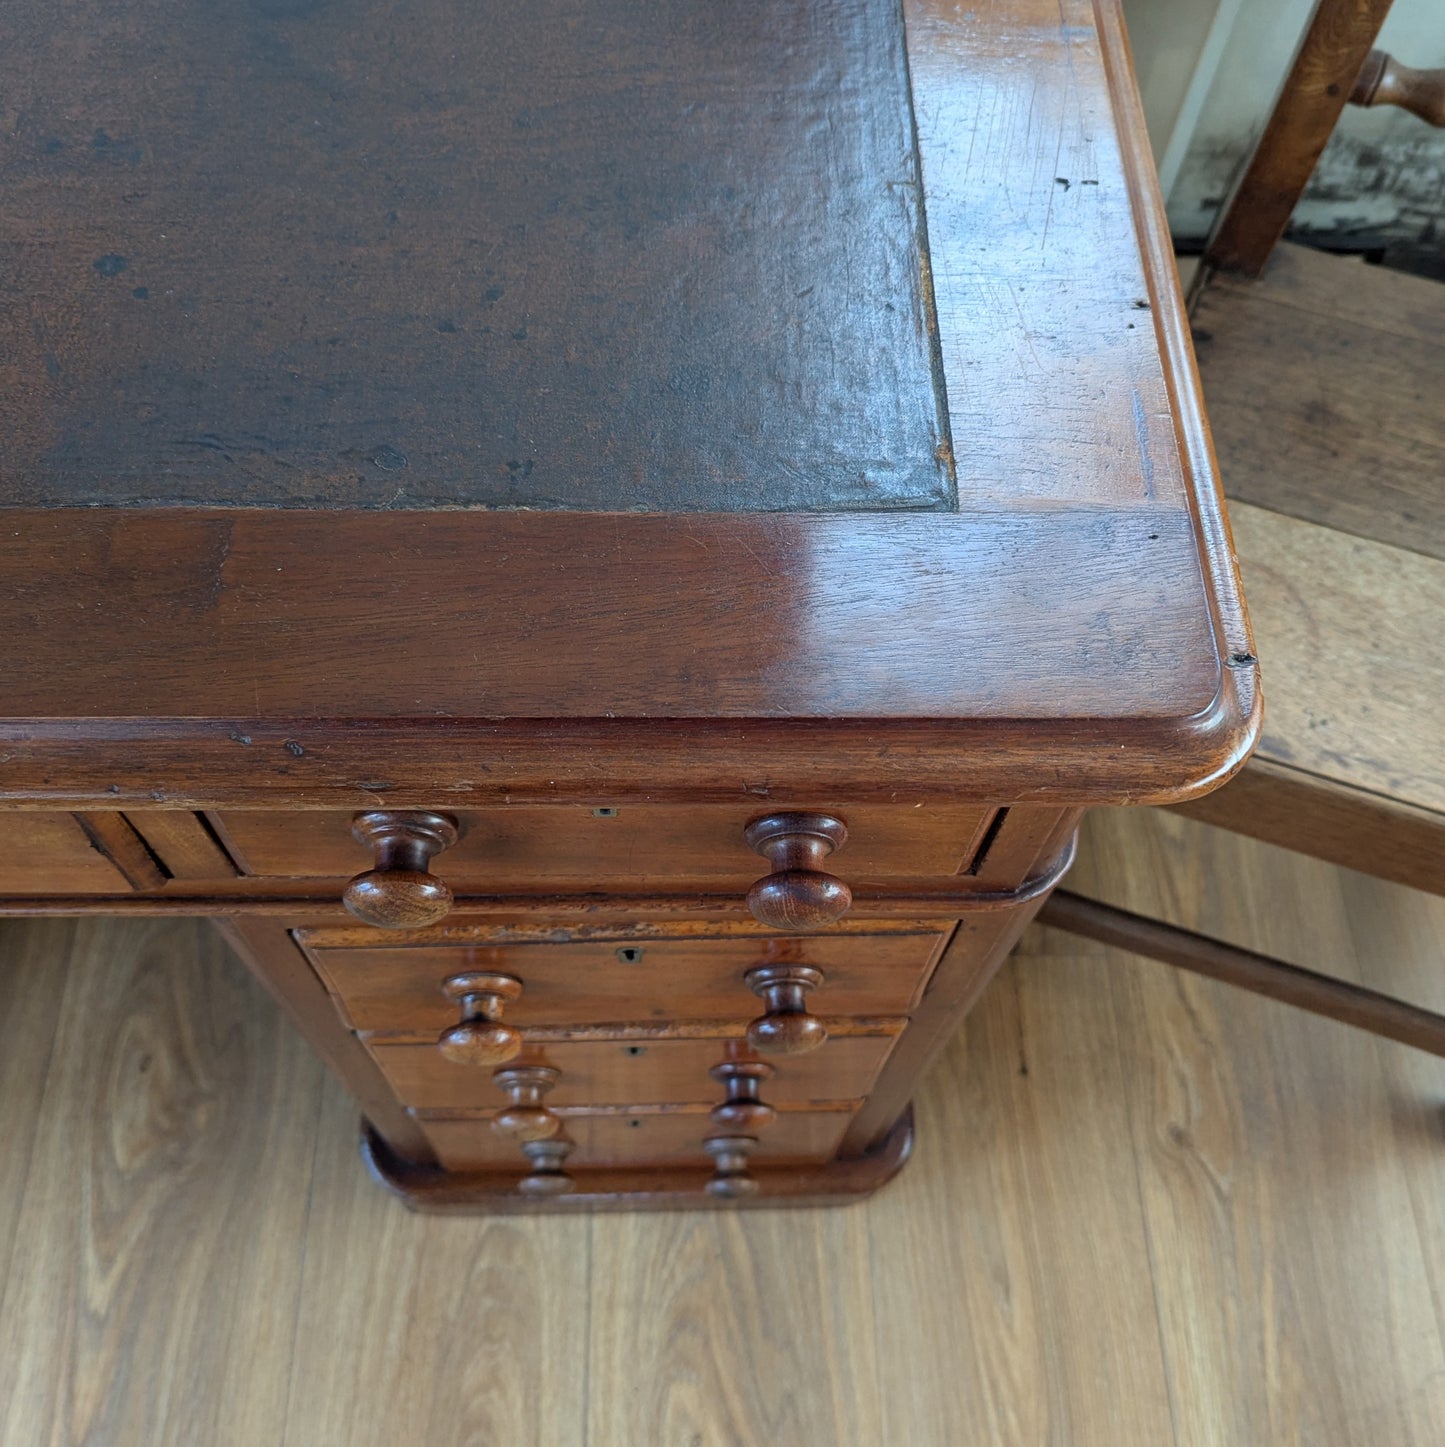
1209	71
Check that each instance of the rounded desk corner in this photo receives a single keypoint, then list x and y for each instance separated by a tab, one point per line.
1221	738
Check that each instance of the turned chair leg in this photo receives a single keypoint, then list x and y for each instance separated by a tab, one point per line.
1186	950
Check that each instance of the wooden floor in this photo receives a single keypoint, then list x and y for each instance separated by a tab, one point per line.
1143	1210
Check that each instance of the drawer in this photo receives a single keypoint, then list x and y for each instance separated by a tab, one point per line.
516	849
670	1138
50	853
634	1072
398	988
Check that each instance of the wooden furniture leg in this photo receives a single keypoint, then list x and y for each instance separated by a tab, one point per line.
1305	989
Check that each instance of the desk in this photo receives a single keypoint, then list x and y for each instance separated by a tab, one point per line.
681	506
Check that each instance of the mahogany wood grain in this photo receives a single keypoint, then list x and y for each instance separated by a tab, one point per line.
797	893
114	837
524	1117
400	891
656	1141
53	854
808	622
608	1189
787	1025
742	1107
626	1072
479	1037
1023	841
1066	630
344	764
618	616
639	978
182	842
1314	94
502	849
304	905
1385	81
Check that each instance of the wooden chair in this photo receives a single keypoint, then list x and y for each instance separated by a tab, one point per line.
1325	381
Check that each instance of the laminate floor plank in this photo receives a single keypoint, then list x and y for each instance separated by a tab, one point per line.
1274	1175
29	1012
151	1292
747	1330
1010	1261
448	1331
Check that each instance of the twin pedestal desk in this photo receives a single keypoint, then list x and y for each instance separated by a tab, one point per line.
607	545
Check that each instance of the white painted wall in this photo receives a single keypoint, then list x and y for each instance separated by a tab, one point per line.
1209	71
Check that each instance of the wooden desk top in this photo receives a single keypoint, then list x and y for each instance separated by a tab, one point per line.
1032	597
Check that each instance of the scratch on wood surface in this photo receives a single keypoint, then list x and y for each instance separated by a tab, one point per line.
1141	435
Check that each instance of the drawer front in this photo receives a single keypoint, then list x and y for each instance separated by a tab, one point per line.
635	1072
45	853
399	989
516	849
672	1138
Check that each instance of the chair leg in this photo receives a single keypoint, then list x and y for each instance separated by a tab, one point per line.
1319	994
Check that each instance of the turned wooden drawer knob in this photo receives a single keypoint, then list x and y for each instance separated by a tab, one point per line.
743	1108
797	895
526	1119
787	1028
401	892
546	1157
479	1037
730	1165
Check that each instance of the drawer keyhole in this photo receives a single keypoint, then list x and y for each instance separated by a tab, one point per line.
630	954
636	1049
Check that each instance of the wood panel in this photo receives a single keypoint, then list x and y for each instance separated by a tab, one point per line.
51	853
634	1072
1323	380
613	617
112	836
649	1139
400	990
183	844
1033	224
504	849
